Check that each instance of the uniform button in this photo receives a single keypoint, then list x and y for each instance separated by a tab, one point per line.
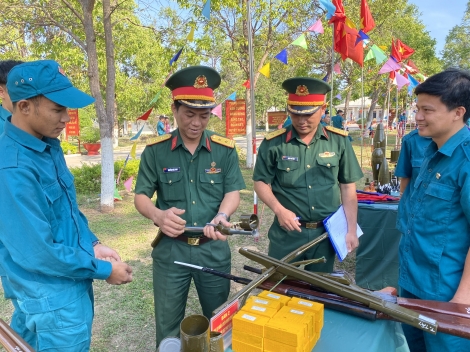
429	170
191	160
194	202
309	186
409	231
169	182
212	181
195	224
313	208
288	169
406	249
328	165
425	185
308	166
308	147
192	181
465	143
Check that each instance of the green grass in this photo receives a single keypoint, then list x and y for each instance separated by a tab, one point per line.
124	315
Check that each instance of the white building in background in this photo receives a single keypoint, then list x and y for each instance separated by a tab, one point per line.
355	109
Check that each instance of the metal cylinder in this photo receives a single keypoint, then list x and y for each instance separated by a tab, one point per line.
170	344
217	342
195	334
394	154
249	222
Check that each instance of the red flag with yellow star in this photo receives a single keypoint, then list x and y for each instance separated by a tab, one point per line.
400	51
367	21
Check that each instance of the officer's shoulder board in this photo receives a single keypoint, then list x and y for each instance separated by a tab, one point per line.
337	130
159	139
274	134
229	143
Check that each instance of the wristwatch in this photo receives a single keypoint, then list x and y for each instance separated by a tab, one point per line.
94	243
223	214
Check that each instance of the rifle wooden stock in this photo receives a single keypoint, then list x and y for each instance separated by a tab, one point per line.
442	312
11	341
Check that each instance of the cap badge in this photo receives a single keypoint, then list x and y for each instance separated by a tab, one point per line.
302	90
61	71
201	82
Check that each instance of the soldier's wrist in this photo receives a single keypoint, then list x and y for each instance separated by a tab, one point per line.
222	214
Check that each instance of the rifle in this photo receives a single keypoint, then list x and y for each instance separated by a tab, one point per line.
450	317
247	225
11	341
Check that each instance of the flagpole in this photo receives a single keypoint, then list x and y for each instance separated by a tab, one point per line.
252	97
363	106
332	68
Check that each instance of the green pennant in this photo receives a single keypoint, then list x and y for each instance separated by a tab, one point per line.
117	196
154	100
370	55
378	54
300	41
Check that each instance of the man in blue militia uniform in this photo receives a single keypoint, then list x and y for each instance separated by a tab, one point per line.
49	255
338	120
409	163
161	125
196	176
307	171
6	106
434	249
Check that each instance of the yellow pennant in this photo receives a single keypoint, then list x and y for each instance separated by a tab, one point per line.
265	70
134	146
383	47
190	37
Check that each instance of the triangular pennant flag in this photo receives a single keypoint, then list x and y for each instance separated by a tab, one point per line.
117	196
338	96
217	111
378	54
413	81
282	56
362	36
401	81
413	67
133	149
176	57
337	68
383	47
301	41
133	138
329	7
206	10
326	78
232	96
190	37
389	66
145	116
370	55
265	70
154	100
317	27
246	84
128	183
421	76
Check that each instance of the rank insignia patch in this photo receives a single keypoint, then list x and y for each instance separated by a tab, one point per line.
327	154
290	158
212	170
171	169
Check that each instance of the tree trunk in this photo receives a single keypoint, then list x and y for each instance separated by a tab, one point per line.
346	105
374	98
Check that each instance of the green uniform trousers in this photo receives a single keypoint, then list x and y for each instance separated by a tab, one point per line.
171	281
282	242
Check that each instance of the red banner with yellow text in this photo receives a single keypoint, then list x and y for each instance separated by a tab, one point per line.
72	128
235	113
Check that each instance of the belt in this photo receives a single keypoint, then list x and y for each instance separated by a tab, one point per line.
311	225
192	241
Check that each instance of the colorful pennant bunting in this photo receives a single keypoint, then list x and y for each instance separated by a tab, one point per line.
401	81
206	10
337	68
145	116
378	54
246	84
217	111
390	65
133	150
329	7
265	70
176	57
301	41
362	37
154	100
317	27
133	138
282	56
232	96
190	36
128	183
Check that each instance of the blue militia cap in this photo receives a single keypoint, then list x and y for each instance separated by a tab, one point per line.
47	78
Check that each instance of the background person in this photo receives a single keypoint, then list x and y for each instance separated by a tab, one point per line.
161	125
6	107
197	178
338	120
49	254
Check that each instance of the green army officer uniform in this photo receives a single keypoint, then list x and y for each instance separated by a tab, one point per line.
305	177
196	181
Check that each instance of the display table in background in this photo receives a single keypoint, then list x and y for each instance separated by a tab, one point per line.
346	333
377	255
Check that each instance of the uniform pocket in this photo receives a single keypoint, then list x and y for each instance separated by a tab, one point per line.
212	185
327	170
438	192
63	339
171	186
287	173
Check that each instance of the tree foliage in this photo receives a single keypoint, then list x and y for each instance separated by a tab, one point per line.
457	48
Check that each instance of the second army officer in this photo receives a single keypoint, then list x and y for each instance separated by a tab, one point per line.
197	178
304	172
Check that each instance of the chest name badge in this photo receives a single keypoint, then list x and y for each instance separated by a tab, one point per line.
171	169
212	170
290	158
327	154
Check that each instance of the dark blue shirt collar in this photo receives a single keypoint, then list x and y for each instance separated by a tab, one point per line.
451	144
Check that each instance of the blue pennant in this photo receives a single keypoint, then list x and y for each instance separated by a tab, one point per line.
282	56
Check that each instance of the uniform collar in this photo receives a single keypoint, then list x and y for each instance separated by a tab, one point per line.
292	134
454	141
177	141
27	140
4	113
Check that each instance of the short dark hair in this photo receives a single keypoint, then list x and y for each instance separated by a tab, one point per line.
35	100
451	86
5	67
339	111
161	117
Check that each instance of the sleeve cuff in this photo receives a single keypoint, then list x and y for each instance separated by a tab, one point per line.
103	269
